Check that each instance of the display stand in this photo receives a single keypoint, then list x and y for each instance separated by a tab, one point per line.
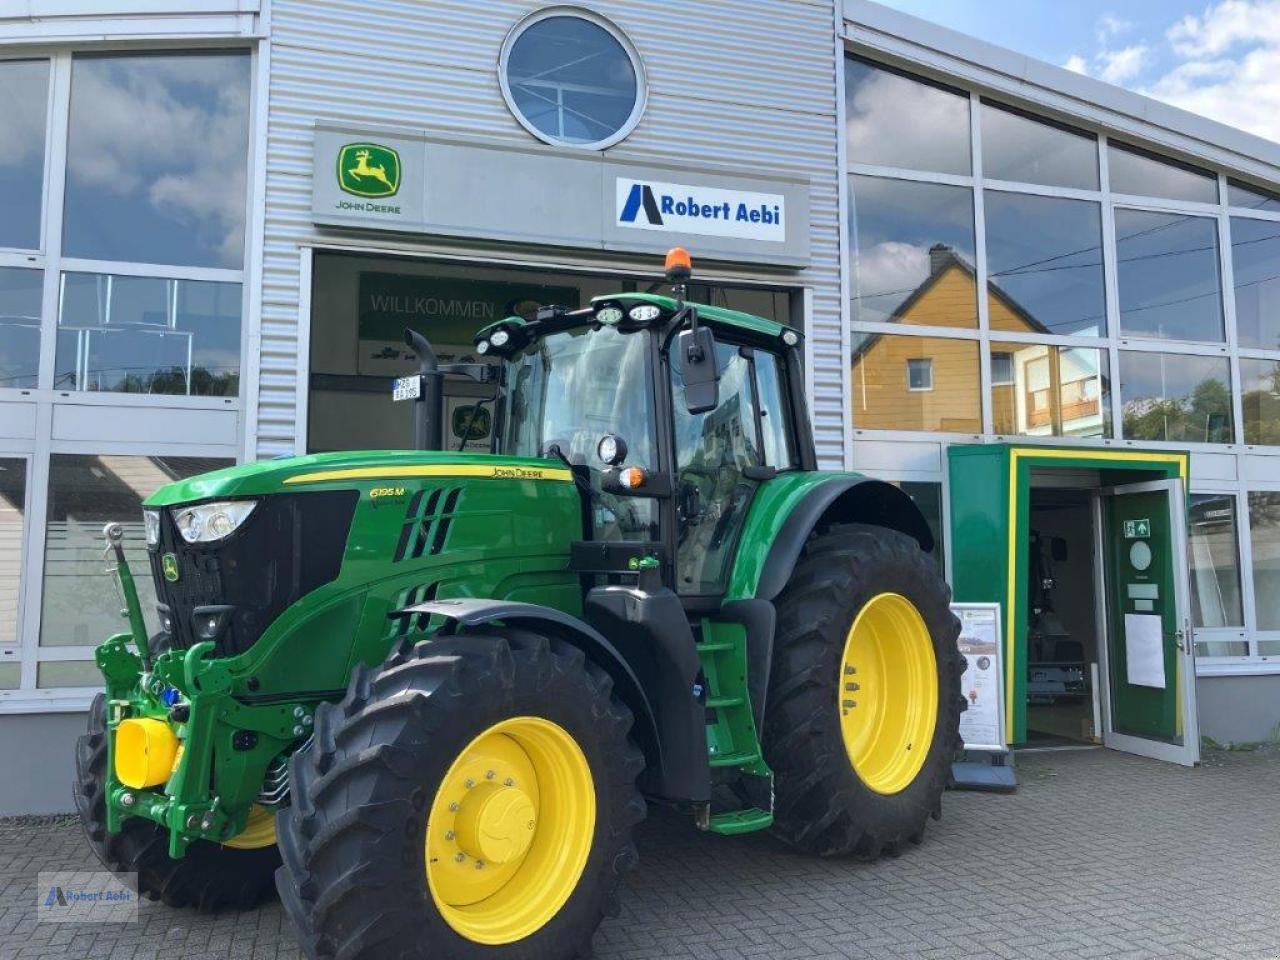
985	762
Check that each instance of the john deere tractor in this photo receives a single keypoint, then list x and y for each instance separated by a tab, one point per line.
429	693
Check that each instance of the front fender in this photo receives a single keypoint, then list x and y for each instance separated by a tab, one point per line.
786	510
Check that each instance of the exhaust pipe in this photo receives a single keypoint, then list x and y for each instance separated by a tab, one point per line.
428	431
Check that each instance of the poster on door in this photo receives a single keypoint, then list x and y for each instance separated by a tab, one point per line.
982	683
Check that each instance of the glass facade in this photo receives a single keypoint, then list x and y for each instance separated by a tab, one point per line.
123	245
1090	290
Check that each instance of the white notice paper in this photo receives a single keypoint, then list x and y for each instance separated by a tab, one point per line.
1144	649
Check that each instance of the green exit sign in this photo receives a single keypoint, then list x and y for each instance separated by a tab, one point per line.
1137	529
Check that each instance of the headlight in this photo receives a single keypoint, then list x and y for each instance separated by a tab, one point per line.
609	315
644	313
207	522
499	337
151	518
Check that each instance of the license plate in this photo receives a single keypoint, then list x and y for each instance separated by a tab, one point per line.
406	388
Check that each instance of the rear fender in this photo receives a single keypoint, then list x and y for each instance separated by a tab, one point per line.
476	612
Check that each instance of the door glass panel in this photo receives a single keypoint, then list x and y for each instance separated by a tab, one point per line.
1213	541
148	335
81	606
884	397
774	423
157	158
712	495
1264	538
1176	397
1144	174
1044	257
21	294
913	253
24	110
1168	277
13	506
1255	267
1017	146
895	120
1050	391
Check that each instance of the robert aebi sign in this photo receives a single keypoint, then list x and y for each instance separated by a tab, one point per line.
710	211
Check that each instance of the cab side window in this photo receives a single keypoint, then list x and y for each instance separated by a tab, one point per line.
774	426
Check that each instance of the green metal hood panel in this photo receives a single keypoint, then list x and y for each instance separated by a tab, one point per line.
770	508
289	473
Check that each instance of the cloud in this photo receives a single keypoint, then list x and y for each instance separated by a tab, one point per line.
1077	64
1109	26
1117	66
1226	25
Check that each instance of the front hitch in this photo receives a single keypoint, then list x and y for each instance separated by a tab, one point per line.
114	532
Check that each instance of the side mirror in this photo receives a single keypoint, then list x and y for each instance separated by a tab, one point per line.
698	369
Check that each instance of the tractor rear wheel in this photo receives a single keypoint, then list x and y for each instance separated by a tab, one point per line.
473	797
210	877
864	695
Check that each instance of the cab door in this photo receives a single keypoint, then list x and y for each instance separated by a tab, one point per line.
1149	660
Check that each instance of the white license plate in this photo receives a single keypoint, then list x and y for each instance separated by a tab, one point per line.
406	388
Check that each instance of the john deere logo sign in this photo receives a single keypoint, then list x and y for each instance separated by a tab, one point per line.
368	170
169	563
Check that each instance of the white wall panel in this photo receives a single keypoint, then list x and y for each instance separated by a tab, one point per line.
742	83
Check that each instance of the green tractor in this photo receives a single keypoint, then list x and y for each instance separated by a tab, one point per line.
425	695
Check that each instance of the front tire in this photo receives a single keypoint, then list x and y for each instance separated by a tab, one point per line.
473	797
864	695
210	877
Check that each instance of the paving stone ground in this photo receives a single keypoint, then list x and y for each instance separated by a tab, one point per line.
1099	855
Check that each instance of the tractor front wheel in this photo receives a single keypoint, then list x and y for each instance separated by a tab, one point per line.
473	797
864	695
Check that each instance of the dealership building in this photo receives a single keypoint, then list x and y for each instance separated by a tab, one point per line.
1046	307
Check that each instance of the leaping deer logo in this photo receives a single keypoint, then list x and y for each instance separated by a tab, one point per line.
369	170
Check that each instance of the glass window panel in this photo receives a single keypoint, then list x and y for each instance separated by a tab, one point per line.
1260	397
1051	391
913	253
24	112
1264	537
882	395
1255	198
1214	545
81	605
1175	397
13	501
10	676
894	120
1255	264
148	335
771	387
1016	146
68	673
1169	282
1222	648
1269	648
1044	264
157	158
1146	174
21	293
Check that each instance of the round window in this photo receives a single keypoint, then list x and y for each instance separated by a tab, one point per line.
572	78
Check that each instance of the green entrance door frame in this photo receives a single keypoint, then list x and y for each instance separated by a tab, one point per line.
990	500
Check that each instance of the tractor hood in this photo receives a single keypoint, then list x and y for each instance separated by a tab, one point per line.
348	469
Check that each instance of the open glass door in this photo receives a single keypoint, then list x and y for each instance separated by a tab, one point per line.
1149	702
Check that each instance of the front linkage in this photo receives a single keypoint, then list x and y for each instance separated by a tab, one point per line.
181	750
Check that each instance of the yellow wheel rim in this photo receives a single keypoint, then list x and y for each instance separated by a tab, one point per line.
888	693
510	830
259	831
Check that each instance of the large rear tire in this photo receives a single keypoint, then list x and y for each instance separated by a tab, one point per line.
864	695
473	797
210	877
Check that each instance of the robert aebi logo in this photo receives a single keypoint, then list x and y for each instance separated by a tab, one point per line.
715	211
369	170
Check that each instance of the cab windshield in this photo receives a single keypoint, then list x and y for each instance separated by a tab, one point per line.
570	389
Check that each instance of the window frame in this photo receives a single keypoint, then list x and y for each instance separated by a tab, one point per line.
914	365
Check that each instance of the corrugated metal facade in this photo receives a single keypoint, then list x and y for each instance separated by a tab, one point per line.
734	82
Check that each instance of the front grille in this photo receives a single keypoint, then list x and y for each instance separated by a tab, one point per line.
290	545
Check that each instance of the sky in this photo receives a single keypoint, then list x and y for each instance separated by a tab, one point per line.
1219	59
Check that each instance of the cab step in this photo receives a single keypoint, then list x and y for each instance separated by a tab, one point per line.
733	822
740	759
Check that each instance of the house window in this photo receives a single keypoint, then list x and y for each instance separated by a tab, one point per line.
1001	368
920	373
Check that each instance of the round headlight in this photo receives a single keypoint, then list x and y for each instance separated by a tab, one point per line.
499	338
207	522
644	313
482	347
612	449
790	338
609	315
